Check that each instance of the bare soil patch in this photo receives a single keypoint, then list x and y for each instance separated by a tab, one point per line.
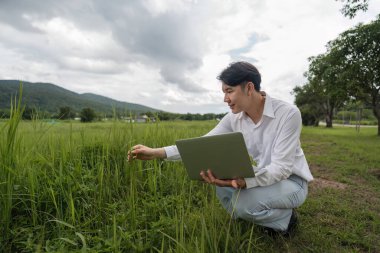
320	183
375	173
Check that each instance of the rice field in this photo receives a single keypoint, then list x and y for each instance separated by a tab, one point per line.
68	187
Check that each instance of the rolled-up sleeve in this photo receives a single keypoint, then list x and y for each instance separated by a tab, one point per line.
172	153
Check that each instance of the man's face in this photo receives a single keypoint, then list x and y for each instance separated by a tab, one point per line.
235	97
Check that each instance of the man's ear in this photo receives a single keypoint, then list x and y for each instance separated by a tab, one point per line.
250	88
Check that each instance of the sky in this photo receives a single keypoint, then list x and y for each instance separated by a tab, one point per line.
166	54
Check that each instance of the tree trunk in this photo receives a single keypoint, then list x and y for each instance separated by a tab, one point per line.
329	114
376	111
329	121
376	107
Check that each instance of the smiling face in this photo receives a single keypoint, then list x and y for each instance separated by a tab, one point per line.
237	97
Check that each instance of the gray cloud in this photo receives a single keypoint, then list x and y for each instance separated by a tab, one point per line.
168	41
173	76
17	13
170	49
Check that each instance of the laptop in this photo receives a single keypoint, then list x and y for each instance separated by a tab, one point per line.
225	154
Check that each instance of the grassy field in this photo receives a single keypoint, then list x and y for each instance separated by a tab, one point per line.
68	187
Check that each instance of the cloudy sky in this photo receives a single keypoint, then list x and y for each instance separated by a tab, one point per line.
166	54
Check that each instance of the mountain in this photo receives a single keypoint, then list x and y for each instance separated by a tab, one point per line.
49	97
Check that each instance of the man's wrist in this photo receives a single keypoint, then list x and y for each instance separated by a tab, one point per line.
242	183
251	182
160	153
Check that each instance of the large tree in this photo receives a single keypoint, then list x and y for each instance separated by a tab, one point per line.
327	83
359	49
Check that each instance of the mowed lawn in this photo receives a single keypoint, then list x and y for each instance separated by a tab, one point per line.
342	213
67	187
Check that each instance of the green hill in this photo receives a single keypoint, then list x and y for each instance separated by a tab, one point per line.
49	98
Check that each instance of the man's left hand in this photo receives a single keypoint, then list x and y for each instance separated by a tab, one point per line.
237	183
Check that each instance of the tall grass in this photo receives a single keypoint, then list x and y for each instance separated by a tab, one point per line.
9	151
68	186
75	190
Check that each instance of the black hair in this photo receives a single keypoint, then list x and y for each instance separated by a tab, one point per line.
239	73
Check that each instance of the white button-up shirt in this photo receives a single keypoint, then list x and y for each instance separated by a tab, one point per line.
273	142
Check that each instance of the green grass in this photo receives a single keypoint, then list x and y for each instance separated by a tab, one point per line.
67	186
346	203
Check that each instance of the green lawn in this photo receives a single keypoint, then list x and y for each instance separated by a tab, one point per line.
68	187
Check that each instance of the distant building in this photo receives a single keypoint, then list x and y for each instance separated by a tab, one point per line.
142	119
139	119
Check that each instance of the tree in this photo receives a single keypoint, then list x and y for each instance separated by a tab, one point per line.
351	7
87	115
28	113
327	84
208	116
360	63
4	114
66	113
308	100
149	114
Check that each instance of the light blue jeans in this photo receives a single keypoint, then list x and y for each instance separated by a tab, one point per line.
270	206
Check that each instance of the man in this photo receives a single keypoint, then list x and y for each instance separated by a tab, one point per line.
271	129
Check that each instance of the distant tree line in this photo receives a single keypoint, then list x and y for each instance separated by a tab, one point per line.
187	116
89	115
347	74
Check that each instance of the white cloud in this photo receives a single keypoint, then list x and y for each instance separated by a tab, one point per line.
294	35
166	54
159	7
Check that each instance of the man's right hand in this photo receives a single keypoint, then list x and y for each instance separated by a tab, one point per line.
142	152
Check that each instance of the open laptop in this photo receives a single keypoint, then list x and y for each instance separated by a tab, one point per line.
225	154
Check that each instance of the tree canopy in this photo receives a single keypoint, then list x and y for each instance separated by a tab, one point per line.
66	112
308	99
87	115
349	70
360	61
351	7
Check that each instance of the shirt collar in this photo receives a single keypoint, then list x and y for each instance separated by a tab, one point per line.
268	108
